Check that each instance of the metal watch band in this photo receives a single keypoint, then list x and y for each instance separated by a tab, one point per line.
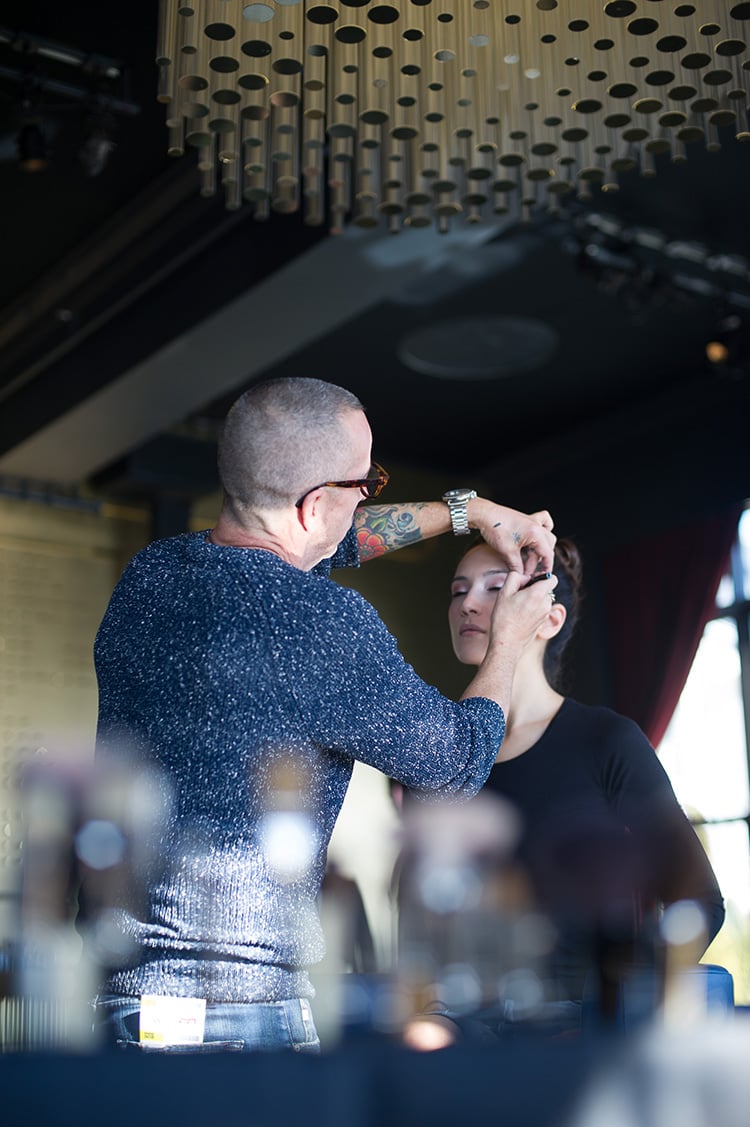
457	507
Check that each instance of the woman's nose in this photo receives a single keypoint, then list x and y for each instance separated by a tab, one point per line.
468	605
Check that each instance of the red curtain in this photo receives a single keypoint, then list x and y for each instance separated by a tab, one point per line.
660	593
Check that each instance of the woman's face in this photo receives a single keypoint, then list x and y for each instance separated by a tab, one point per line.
479	576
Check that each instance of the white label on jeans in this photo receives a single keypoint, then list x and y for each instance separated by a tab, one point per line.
172	1021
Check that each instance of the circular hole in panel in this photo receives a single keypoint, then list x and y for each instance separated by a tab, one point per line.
252	81
256	48
690	134
657	145
723	117
696	60
383	14
575	134
704	105
227	97
672	118
647	105
643	26
222	64
729	47
617	120
322	14
671	43
622	90
682	93
219	31
257	13
192	82
619	9
350	34
634	134
659	77
284	98
287	66
587	105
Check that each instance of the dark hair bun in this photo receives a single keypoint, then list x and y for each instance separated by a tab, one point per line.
568	558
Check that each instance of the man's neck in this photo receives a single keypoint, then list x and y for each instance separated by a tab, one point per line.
261	535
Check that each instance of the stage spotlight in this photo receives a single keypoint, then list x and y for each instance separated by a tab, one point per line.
717	352
98	144
728	347
32	147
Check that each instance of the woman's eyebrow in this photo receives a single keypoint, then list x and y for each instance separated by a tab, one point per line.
465	578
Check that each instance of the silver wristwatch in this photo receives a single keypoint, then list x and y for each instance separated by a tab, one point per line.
456	500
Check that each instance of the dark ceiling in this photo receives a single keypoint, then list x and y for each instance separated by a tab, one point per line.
560	359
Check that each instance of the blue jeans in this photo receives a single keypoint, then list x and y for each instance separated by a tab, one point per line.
235	1027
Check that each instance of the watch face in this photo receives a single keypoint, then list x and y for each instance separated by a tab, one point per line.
458	494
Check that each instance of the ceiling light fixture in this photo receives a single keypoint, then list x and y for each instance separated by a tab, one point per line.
419	111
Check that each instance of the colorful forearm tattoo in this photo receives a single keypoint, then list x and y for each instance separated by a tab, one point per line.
382	528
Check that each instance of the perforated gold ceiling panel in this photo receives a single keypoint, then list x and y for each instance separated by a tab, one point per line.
424	110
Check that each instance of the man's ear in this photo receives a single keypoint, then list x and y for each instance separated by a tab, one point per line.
554	622
309	509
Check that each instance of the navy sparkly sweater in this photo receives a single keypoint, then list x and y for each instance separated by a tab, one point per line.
215	665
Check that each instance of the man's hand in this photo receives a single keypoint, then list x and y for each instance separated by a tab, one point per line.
517	615
524	543
520	610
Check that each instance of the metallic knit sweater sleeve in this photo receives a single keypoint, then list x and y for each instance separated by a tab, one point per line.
215	666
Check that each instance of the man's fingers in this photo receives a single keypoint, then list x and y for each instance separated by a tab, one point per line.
543	518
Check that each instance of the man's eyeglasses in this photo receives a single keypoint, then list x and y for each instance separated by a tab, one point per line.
371	486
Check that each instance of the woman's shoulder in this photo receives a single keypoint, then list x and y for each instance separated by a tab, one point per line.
602	728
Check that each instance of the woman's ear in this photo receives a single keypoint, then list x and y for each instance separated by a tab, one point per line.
554	622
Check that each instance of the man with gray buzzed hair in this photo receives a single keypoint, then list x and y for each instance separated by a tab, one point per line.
279	436
232	666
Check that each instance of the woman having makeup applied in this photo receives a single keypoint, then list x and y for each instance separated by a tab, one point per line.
604	841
